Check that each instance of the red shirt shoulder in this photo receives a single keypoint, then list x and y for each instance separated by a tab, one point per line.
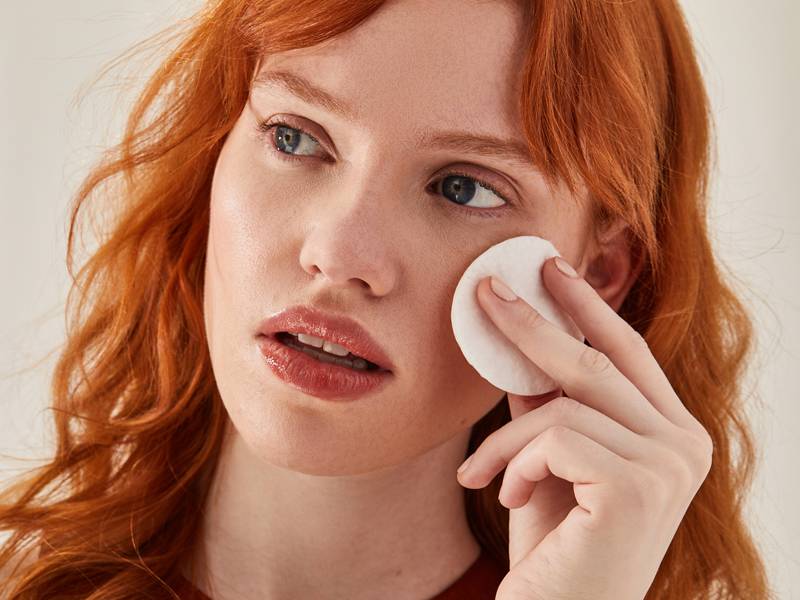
479	582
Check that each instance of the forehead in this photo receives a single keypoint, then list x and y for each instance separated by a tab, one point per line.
416	66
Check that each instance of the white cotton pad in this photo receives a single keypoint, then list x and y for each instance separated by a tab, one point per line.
518	262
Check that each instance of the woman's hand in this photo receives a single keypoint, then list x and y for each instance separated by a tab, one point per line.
618	440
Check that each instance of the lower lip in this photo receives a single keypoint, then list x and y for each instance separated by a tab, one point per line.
316	378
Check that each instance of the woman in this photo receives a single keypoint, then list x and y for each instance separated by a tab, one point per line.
324	155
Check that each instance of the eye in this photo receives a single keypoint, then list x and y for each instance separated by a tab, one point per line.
464	189
290	143
286	140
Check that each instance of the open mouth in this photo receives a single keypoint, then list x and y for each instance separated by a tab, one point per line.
350	361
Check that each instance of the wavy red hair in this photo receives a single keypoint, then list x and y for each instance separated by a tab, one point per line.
612	96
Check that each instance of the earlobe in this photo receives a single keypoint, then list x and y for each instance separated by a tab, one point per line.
613	264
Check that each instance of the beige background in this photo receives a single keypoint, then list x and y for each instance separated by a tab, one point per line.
750	54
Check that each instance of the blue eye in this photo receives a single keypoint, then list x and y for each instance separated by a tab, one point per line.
290	138
286	139
458	187
464	188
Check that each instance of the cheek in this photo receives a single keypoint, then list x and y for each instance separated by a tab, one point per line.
253	208
244	224
568	227
232	250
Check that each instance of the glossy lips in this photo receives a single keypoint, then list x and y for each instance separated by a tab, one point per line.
316	378
312	376
335	328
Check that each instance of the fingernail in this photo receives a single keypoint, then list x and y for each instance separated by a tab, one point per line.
565	267
465	464
502	290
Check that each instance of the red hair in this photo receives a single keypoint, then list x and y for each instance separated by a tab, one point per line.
612	96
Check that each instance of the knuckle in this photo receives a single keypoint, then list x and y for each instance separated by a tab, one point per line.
490	440
702	445
556	433
679	471
709	450
564	407
686	458
595	362
636	341
532	319
631	500
642	489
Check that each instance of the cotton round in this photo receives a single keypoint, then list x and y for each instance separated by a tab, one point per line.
518	262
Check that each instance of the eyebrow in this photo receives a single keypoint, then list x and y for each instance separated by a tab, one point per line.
456	141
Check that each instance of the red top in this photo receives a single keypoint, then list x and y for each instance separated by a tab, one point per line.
479	582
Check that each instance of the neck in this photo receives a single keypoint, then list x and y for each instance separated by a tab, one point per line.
400	532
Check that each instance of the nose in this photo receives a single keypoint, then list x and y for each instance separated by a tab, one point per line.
352	240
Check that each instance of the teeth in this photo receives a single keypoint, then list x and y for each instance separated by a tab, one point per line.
326	346
358	363
309	339
336	349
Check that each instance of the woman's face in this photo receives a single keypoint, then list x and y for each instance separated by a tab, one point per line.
365	222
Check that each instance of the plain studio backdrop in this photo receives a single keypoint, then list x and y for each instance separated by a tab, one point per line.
750	53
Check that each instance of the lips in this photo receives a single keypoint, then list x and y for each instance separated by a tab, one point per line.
338	329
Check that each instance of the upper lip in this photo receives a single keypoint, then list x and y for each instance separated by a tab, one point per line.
338	329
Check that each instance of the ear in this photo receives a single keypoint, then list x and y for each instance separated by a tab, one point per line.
612	265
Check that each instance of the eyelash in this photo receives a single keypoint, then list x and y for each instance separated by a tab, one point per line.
264	130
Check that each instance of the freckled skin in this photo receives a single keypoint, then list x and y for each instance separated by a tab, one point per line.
362	490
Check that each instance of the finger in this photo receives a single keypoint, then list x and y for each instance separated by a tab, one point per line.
582	372
519	405
610	334
567	454
501	447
